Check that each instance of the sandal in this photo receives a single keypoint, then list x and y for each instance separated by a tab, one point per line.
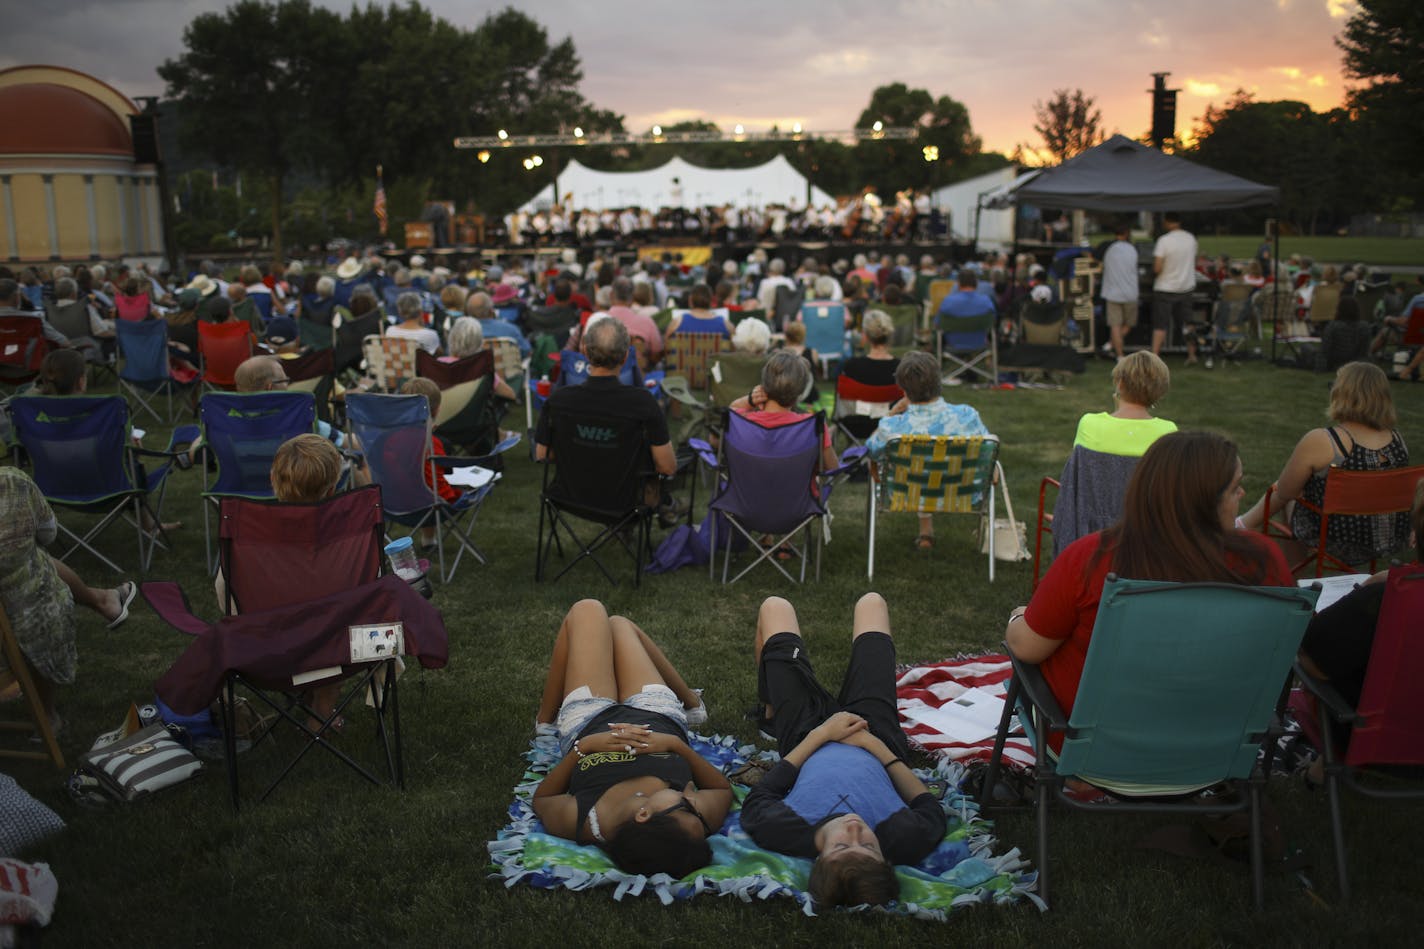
925	542
127	591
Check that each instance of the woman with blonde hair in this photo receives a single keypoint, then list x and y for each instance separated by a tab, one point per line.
1361	437
1140	380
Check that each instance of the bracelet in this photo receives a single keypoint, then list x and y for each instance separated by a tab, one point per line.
892	761
577	751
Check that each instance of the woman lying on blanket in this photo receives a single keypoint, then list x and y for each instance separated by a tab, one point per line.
628	781
1177	524
842	794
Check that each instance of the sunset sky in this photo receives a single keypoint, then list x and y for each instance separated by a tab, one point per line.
817	61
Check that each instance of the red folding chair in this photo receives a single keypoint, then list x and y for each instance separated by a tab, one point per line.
447	375
223	347
1387	725
859	407
22	348
1351	494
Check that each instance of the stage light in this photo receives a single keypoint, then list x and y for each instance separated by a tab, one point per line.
502	134
483	156
537	160
578	132
796	129
878	126
657	130
528	164
931	152
738	130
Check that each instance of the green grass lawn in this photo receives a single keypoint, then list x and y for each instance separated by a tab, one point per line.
329	862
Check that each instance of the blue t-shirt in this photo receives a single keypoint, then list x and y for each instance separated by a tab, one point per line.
843	779
960	305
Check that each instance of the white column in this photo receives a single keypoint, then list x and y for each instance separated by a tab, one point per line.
93	216
122	189
10	233
52	215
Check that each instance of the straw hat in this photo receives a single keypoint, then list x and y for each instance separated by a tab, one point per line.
350	268
203	284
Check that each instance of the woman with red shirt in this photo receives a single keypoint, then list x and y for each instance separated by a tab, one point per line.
1177	524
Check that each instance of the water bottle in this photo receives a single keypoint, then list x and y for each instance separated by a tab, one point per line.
403	560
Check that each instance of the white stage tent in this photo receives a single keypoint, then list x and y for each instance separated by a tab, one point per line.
775	182
961	199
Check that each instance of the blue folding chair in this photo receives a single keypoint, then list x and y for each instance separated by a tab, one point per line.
765	487
83	459
573	369
1179	693
393	435
243	432
825	331
145	374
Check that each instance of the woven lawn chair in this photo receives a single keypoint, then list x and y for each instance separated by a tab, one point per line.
1387	725
390	360
691	348
242	431
1179	693
304	596
933	474
83	460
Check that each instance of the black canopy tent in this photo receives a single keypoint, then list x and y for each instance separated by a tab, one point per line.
1126	176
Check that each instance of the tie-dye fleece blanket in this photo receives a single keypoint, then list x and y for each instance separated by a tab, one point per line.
962	870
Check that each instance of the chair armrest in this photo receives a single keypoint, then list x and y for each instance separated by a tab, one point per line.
1036	692
853	458
1327	693
677	389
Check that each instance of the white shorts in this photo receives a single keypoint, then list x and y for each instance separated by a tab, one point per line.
581	705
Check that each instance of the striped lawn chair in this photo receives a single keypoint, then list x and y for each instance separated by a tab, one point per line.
933	474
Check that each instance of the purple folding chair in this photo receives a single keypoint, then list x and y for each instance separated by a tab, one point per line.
769	484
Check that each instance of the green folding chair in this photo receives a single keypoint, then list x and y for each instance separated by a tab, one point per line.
1180	690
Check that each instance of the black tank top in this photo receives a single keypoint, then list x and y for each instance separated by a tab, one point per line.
596	773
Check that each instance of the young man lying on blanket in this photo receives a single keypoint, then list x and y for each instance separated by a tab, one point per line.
842	793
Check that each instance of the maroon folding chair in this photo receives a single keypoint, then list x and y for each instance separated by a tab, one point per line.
22	348
447	375
306	604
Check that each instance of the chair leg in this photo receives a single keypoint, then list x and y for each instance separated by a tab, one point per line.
1258	869
230	741
870	535
991	532
1041	783
1333	769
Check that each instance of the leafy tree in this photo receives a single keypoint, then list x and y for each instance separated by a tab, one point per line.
943	123
1383	43
1068	123
257	84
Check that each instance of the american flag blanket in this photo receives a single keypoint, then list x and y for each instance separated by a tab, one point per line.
939	682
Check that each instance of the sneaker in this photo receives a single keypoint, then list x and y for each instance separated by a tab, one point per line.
698	715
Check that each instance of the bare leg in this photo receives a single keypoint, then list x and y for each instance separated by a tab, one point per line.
776	615
104	602
872	615
1117	333
1158	338
583	655
926	530
664	668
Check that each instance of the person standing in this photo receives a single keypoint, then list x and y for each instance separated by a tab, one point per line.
1120	287
1174	266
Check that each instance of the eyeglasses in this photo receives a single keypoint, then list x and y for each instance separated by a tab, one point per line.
281	383
685	805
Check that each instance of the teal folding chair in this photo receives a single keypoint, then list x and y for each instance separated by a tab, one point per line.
1180	690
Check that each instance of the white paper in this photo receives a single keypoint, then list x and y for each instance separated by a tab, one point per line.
1333	588
972	716
138	433
471	477
377	641
302	678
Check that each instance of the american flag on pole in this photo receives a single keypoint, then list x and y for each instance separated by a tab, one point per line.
379	207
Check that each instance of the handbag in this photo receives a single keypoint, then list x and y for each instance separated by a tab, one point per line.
148	760
1010	535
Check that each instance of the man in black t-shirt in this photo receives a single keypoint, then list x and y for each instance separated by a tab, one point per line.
605	343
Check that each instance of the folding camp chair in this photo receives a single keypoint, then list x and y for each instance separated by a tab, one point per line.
906	319
83	459
393	435
19	672
1387	724
22	349
1090	493
1324	301
1229	324
860	407
243	431
447	375
1178	693
731	376
691	348
223	347
390	360
825	331
1385	495
145	372
768	484
1274	306
969	343
305	598
557	321
786	306
350	335
313	372
933	474
599	471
